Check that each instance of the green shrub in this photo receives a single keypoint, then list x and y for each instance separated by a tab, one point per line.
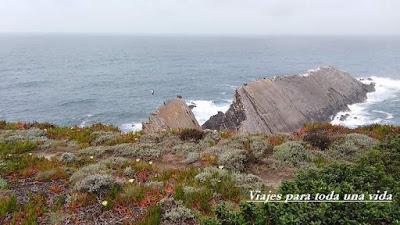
378	170
249	213
259	146
291	153
191	134
104	137
88	170
96	184
129	171
219	181
3	184
342	179
67	157
320	140
174	213
30	135
234	159
143	151
178	215
351	146
387	155
192	157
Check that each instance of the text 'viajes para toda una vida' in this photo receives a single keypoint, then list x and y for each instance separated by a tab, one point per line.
378	196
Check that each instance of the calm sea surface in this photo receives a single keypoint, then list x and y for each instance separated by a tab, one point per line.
82	79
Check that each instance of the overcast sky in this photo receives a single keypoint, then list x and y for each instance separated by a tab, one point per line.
297	17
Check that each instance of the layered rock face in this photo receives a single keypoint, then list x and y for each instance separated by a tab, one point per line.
285	104
172	115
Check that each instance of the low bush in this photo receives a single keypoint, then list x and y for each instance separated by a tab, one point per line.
174	213
178	215
319	140
192	157
291	153
248	181
191	134
96	184
351	146
129	171
67	157
210	138
33	135
219	181
378	170
248	213
104	137
234	159
259	146
3	184
88	170
387	155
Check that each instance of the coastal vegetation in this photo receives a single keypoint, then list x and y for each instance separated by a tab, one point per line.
98	174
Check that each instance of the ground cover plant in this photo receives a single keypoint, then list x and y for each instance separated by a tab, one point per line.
99	175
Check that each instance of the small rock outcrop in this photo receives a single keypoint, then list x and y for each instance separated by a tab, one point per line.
173	114
285	104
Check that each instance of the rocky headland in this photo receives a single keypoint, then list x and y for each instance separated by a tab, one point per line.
286	103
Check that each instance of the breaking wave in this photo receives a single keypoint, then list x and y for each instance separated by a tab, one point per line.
128	127
202	110
205	109
365	113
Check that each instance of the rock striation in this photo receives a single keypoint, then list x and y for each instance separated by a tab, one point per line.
286	103
173	114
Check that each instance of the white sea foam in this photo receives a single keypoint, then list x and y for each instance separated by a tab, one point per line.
205	109
83	124
306	74
361	113
128	127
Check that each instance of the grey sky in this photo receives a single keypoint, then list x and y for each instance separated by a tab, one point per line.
303	17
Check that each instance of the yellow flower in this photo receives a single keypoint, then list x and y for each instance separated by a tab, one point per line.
150	162
30	154
104	203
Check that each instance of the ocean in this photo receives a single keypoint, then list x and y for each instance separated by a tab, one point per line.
80	79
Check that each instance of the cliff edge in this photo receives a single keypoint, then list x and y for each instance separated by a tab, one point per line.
286	103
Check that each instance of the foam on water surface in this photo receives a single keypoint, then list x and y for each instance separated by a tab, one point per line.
365	113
